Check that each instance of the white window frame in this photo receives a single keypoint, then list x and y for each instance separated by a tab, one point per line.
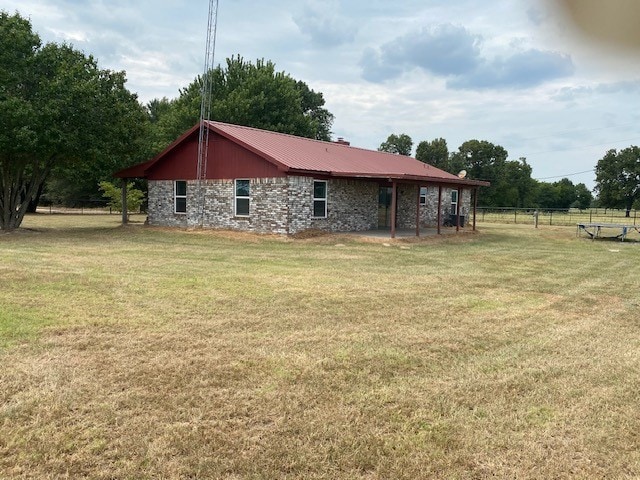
454	203
176	197
241	197
320	199
423	196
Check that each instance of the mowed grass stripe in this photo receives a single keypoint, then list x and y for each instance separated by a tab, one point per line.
149	353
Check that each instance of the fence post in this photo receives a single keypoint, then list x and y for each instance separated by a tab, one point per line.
515	216
550	217
535	218
590	215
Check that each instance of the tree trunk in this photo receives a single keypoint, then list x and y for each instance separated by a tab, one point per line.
18	188
33	203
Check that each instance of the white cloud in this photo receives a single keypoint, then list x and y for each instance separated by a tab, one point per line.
505	71
323	22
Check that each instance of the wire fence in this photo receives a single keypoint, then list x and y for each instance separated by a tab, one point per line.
85	207
566	217
560	217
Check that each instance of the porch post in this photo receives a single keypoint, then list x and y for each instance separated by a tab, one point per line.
439	216
125	218
475	206
418	213
394	193
458	209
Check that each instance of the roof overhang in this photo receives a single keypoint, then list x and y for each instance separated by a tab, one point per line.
414	179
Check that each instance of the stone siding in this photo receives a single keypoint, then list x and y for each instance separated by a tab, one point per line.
352	205
284	205
407	200
429	212
160	210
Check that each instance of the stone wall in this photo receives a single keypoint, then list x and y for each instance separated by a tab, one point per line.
352	205
429	212
407	200
160	210
267	206
284	205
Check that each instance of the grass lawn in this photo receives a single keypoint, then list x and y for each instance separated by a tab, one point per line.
147	353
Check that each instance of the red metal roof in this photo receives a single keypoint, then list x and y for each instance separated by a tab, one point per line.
303	155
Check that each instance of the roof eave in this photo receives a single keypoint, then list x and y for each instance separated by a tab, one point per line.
412	178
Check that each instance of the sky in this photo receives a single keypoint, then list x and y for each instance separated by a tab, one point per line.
516	73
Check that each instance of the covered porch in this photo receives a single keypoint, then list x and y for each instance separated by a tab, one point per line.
415	207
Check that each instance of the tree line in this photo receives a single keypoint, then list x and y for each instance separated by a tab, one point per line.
66	125
617	175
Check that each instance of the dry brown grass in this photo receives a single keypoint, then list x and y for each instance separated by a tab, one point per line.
145	353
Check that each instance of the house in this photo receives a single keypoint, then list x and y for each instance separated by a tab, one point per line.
268	182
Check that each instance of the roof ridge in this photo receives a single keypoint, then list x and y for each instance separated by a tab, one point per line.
327	142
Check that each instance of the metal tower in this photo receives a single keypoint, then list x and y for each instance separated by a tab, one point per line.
205	105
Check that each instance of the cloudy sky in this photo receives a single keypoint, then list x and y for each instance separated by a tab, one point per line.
512	72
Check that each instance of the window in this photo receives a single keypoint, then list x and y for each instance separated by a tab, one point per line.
180	196
243	190
454	202
319	199
423	195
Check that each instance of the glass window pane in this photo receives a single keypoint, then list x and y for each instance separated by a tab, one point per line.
454	196
181	205
319	190
242	188
181	188
242	206
320	208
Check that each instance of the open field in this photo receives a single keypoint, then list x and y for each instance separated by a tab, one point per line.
147	353
558	217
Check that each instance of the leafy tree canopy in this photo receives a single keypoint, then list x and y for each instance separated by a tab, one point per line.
135	197
398	144
434	153
618	178
249	94
56	108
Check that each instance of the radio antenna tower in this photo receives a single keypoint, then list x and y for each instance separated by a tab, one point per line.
205	105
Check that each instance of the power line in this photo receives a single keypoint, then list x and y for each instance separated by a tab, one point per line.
566	175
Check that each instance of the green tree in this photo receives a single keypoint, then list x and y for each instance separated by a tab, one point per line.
561	194
135	197
483	160
583	197
244	93
618	178
518	188
434	153
57	108
398	144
